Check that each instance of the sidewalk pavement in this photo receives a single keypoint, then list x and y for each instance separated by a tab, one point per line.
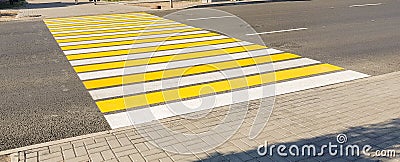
366	111
66	8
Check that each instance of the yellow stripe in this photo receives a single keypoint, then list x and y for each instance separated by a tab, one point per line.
118	30
76	29
151	76
161	39
108	25
75	20
210	88
148	61
125	35
97	21
148	49
91	16
95	16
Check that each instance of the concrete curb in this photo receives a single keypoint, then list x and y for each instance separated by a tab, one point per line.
16	150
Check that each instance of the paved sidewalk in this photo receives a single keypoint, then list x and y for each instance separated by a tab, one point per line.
366	110
65	8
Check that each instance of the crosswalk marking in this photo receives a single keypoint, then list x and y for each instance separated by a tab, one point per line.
143	63
130	42
104	36
169	83
158	53
148	37
113	77
149	49
108	26
167	58
216	87
133	28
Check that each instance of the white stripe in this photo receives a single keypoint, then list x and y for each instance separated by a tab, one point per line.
196	79
85	22
158	53
131	38
278	31
97	16
94	25
205	18
174	64
141	45
137	116
125	32
363	5
113	27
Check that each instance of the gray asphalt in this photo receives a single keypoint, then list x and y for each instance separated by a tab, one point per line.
42	97
364	39
43	100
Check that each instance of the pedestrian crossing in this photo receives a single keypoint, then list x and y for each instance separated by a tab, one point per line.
139	67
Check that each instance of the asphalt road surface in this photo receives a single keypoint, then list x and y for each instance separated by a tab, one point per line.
43	99
363	38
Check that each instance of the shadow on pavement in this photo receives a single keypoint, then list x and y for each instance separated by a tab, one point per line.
381	136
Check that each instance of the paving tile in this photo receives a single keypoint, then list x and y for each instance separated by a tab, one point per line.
98	149
96	157
78	159
50	156
124	159
32	159
68	154
124	148
125	152
107	155
80	151
114	143
124	141
136	157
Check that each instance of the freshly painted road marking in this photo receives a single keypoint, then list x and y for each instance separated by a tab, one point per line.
181	32
140	64
137	116
154	54
369	4
148	49
110	27
144	45
161	40
206	18
95	36
278	31
196	79
221	61
163	59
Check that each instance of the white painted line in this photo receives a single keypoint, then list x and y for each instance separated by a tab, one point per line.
141	45
196	79
174	64
279	31
158	53
132	38
205	18
86	22
126	32
116	27
369	4
115	23
137	116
